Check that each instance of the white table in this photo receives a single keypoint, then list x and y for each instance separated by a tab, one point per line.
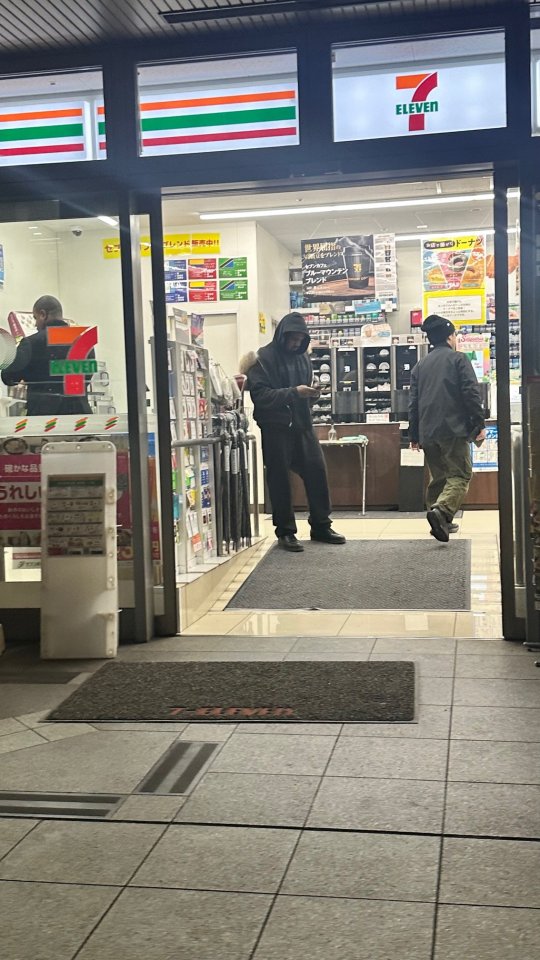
361	444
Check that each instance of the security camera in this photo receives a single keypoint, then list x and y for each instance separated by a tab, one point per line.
76	231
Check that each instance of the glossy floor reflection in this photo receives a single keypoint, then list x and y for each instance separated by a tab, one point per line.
483	620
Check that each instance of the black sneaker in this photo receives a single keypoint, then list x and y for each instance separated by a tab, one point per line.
327	536
290	543
452	528
438	524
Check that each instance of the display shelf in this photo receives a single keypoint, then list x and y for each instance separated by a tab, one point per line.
321	361
376	380
192	465
194	528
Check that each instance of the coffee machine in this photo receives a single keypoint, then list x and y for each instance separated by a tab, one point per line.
405	356
346	384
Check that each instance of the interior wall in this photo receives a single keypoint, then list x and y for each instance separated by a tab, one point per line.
273	262
30	266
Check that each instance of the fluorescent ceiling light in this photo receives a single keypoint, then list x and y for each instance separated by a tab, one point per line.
404	237
110	221
345	207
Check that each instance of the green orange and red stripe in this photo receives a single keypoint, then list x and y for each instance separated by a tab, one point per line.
55	131
176	125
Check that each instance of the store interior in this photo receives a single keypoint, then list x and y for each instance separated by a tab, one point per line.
234	266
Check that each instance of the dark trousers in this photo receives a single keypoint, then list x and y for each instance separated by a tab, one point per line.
284	449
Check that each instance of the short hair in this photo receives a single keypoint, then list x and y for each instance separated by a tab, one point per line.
50	305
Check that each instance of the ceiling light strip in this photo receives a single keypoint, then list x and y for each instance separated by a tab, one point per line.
348	207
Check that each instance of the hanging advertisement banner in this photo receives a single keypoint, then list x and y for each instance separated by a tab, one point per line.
454	276
338	268
386	288
174	245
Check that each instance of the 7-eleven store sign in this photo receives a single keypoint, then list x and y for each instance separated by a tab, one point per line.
422	84
76	366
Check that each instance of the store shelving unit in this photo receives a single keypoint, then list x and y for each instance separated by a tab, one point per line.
193	474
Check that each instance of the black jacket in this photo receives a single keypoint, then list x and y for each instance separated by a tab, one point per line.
275	374
445	399
45	393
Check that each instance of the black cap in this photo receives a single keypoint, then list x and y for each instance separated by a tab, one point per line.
438	329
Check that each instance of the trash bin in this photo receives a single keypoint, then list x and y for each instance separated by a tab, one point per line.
411	480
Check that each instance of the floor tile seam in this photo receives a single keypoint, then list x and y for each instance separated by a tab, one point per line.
94	926
498	783
115	899
323	773
487	906
444	809
293	853
20	840
13	733
357	831
31	746
271	893
491	906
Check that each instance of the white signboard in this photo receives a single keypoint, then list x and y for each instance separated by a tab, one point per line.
459	308
408	100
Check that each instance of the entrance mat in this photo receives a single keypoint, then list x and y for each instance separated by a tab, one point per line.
378	692
338	515
361	575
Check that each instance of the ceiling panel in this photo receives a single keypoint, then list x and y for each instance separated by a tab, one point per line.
291	229
49	24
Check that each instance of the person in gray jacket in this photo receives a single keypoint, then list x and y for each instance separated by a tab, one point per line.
445	415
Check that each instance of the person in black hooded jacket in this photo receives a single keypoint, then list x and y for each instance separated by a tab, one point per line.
279	379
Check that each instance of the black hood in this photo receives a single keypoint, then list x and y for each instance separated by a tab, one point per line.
292	323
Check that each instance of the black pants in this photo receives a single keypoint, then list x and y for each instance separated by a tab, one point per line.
284	449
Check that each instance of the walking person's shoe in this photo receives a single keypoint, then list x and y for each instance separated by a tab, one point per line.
327	536
290	543
452	528
438	524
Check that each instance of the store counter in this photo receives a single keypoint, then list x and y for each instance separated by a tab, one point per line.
382	473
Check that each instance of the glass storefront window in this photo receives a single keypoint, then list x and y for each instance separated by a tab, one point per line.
62	371
535	76
51	118
221	104
419	86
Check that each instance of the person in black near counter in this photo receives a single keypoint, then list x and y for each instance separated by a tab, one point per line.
45	392
279	379
445	414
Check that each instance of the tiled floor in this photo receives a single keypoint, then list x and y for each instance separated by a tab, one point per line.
356	841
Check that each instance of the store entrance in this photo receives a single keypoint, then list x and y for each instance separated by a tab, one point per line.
363	265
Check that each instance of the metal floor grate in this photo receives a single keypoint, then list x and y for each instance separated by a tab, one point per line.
57	805
178	768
